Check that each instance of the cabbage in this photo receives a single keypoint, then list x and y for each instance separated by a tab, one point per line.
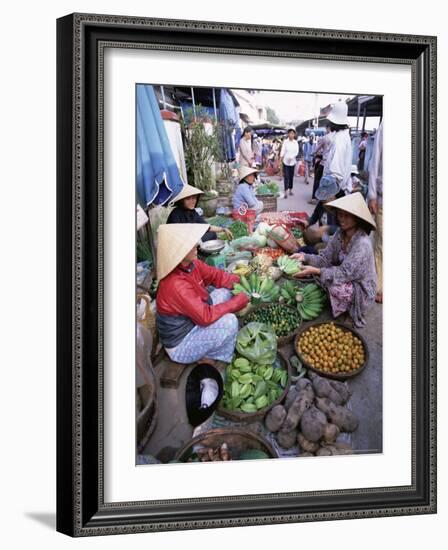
257	342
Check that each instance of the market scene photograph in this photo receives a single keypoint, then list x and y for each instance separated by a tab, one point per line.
258	274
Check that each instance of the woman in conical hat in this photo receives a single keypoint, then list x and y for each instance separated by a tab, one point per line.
346	266
245	193
194	323
184	212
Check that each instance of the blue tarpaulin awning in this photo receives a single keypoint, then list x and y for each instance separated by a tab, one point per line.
158	178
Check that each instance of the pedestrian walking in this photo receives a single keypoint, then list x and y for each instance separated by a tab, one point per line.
288	155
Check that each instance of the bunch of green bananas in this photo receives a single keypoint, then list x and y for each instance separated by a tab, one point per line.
310	301
288	265
250	387
257	288
288	292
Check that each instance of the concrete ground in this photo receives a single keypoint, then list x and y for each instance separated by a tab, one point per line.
173	429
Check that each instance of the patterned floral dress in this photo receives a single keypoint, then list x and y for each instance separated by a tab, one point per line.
349	274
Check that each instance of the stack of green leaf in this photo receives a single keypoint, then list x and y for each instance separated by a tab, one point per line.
251	387
310	299
258	289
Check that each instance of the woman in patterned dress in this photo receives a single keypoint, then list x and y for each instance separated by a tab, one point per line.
346	266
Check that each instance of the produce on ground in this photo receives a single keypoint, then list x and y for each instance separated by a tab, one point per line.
261	264
257	289
238	229
309	299
250	387
257	342
273	253
344	419
337	392
275	417
284	320
297	365
331	349
313	423
242	268
289	266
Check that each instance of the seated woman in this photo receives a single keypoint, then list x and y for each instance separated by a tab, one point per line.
184	212
193	323
245	194
346	267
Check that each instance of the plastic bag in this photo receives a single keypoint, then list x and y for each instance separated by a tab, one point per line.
257	342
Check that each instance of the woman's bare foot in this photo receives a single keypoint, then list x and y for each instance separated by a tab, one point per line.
379	298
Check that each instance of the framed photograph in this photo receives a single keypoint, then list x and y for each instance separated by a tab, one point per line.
246	275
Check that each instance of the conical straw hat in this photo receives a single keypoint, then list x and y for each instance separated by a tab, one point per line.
245	171
353	204
174	242
187	191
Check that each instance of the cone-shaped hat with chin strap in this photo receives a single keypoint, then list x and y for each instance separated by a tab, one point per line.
187	191
353	204
174	242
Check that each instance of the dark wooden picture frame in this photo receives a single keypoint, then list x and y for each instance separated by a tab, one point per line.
81	40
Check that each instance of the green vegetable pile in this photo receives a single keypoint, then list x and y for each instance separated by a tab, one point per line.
258	289
238	229
268	188
282	319
310	299
251	387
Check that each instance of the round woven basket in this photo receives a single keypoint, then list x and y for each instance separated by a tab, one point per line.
240	416
238	440
281	340
332	375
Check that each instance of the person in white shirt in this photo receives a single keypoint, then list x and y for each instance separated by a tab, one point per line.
339	160
288	154
247	157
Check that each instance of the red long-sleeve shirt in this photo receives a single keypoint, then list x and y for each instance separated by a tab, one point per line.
184	292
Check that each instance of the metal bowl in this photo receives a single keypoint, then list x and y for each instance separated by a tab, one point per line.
213	246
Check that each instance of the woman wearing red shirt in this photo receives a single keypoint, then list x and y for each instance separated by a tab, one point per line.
194	322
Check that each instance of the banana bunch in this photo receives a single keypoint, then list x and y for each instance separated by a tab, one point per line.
288	292
310	301
242	270
258	289
288	265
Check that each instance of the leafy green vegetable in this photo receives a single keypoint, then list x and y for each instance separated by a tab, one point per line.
258	343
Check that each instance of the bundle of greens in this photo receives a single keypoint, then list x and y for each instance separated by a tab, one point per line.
238	229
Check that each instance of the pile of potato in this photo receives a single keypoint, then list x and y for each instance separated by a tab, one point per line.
313	416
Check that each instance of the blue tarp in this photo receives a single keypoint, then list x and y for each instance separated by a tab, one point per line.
158	178
228	117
